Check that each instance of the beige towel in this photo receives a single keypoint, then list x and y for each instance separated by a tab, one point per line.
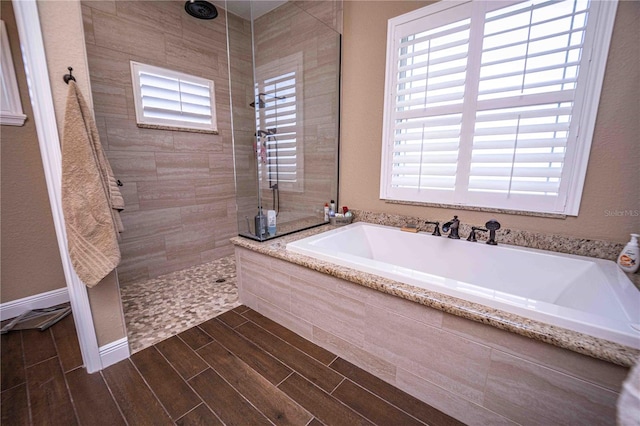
629	400
90	195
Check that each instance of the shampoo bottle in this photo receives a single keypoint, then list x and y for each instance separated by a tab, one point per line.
271	222
628	259
260	221
326	212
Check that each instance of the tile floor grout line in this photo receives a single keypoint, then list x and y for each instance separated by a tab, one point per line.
209	366
283	380
383	399
64	377
26	378
237	390
126	421
152	391
338	385
298	350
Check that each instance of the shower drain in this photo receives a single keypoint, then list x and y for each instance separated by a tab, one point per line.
220	280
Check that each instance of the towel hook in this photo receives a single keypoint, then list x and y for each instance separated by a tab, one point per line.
68	77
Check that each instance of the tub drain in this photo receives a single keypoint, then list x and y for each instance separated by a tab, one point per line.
220	280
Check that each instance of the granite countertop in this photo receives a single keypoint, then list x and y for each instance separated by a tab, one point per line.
567	339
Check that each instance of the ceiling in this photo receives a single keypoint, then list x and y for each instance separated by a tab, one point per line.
248	9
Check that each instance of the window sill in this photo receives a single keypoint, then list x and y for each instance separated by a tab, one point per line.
478	209
176	129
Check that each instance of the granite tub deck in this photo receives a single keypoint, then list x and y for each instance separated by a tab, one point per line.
557	336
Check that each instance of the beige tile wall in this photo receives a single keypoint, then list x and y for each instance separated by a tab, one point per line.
178	186
472	371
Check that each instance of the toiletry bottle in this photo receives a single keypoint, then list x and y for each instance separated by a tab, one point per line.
326	212
628	259
271	222
260	221
332	208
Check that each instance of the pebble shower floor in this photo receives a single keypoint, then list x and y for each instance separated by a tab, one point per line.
158	308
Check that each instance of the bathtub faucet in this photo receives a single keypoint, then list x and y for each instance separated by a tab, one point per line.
492	225
452	225
472	235
436	230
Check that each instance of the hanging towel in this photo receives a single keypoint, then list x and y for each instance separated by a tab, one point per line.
91	199
629	400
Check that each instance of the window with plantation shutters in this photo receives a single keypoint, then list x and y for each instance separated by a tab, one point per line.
169	99
278	120
493	104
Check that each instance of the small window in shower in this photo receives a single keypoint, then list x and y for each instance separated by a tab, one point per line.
167	99
278	123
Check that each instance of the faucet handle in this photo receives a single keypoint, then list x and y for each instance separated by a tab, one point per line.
436	230
472	235
492	225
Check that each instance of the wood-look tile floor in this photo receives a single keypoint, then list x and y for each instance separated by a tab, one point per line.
239	368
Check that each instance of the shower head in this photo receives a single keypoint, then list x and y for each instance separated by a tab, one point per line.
200	9
267	133
261	103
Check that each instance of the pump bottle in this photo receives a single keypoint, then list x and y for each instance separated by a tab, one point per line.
628	259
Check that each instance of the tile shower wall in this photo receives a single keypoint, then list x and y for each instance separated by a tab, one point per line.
178	186
310	29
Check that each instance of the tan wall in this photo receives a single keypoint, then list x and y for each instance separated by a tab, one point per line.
178	186
613	176
30	255
61	23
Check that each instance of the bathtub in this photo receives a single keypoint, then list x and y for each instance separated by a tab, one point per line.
583	294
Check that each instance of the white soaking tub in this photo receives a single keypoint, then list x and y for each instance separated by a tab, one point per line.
588	295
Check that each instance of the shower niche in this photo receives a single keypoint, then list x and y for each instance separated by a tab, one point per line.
284	73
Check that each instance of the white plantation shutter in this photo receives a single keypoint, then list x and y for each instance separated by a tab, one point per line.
166	98
280	116
485	100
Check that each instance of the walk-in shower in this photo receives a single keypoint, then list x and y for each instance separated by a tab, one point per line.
284	67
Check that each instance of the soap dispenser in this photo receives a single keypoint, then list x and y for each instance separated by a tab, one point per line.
628	259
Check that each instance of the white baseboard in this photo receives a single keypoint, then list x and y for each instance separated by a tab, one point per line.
114	352
38	301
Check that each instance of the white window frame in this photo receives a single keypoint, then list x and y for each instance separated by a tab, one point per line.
11	114
174	123
598	36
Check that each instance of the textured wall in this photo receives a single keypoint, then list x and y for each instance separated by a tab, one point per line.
30	255
613	175
178	186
